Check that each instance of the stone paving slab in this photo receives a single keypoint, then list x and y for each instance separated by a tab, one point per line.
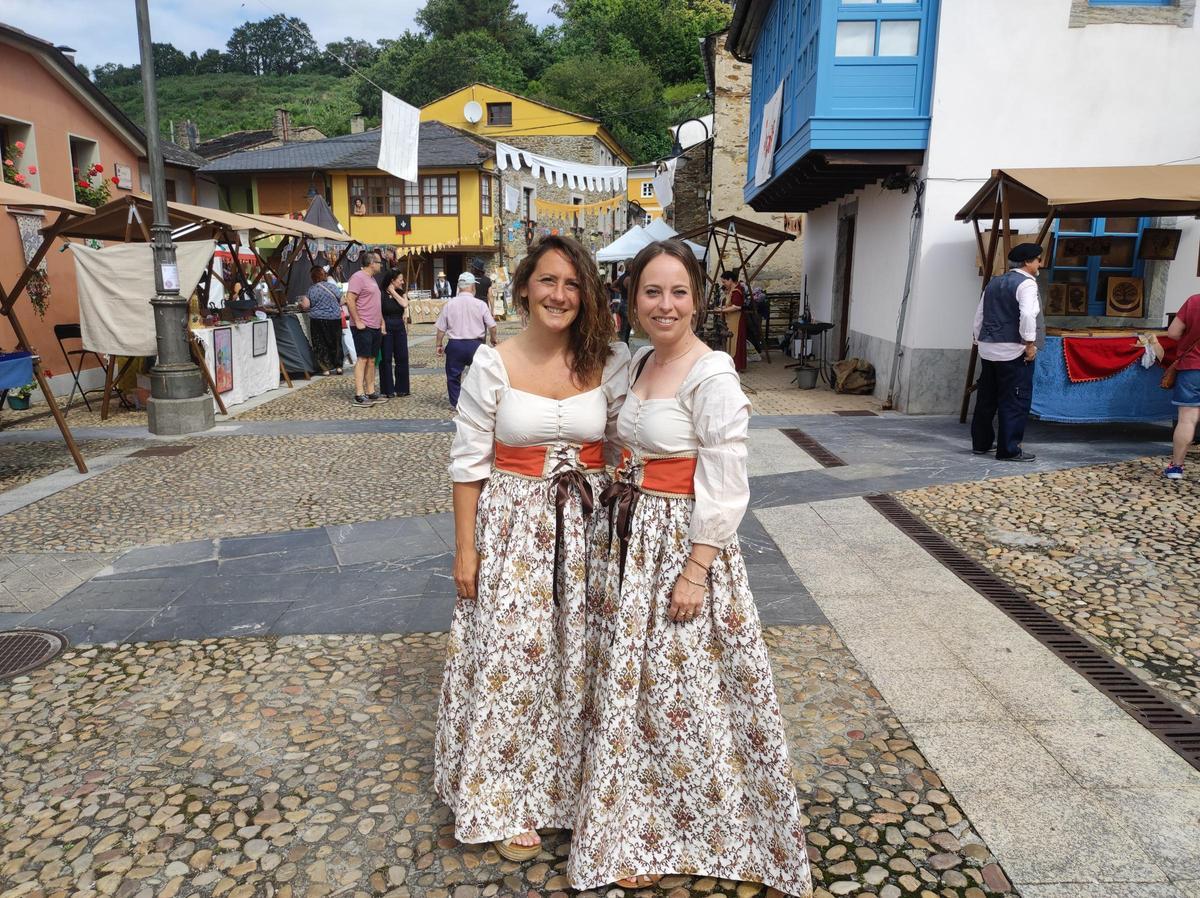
30	582
303	767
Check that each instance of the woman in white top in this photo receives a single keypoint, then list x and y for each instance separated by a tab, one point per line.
687	768
528	465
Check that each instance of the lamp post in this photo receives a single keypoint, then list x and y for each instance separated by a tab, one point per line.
178	403
677	151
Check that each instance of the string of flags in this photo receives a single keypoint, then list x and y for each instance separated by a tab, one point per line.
561	173
549	207
471	239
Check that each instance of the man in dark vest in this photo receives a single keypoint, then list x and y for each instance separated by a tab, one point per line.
1006	332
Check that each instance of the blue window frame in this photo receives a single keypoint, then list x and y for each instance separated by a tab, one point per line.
1094	271
1131	2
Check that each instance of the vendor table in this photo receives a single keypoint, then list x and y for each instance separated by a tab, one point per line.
1132	394
251	375
16	369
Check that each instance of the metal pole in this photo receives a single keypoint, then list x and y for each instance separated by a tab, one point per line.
178	404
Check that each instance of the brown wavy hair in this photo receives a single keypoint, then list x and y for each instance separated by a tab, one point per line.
592	331
677	249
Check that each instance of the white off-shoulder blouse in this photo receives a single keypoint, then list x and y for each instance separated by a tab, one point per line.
708	415
490	409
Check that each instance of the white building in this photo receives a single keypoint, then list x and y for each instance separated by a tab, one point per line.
887	100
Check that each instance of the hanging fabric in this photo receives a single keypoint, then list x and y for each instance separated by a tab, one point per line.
398	138
560	172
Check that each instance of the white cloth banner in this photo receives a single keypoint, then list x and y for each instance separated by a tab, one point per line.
664	184
115	286
399	137
768	138
251	375
560	172
512	199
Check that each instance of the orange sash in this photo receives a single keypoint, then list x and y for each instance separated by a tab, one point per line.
532	461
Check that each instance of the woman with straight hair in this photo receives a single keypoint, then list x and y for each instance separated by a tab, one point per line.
323	302
393	374
687	768
528	464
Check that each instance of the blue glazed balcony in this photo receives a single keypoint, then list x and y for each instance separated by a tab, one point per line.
857	77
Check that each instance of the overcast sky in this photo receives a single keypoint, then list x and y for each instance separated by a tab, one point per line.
106	30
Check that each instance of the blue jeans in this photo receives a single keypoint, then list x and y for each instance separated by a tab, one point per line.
459	354
1005	393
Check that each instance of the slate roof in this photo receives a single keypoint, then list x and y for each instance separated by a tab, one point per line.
233	142
173	154
440	146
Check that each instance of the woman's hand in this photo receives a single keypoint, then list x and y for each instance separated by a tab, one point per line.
687	599
466	573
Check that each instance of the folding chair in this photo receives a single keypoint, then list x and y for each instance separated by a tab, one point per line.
72	332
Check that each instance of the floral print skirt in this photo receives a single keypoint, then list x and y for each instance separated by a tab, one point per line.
519	665
687	771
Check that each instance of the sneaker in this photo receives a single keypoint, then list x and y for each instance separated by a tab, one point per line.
1173	472
983	451
375	399
361	402
1023	456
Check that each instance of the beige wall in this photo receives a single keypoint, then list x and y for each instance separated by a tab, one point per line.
785	272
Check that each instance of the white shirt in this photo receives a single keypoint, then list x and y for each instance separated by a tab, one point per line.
490	409
1027	300
708	415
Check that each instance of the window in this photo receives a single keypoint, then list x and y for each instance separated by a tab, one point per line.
384	196
499	113
11	133
439	194
485	194
1131	2
647	190
84	154
647	219
871	37
530	218
1122	236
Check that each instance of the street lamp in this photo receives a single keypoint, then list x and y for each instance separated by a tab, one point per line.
178	404
677	151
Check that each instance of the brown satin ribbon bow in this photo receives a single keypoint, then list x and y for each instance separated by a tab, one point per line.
565	477
621	499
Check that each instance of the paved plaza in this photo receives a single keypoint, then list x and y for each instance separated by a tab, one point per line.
258	627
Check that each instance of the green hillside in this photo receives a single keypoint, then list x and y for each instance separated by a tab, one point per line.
220	103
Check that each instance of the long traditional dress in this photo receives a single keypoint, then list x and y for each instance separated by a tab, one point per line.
687	771
515	691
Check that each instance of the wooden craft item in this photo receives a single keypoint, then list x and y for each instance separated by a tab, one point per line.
1125	298
1077	299
1056	300
1085	246
1159	244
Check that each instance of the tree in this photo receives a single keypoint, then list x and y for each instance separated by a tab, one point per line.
448	18
359	54
211	62
278	45
112	74
170	61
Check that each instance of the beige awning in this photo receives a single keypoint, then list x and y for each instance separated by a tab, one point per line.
123	219
312	231
743	227
235	221
1142	190
23	198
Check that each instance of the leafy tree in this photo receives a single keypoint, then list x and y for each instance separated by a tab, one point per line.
278	45
448	18
170	61
210	62
360	54
112	74
84	69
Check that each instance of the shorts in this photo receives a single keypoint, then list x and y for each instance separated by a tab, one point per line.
1187	388
367	341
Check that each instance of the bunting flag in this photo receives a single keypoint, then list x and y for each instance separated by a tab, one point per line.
561	173
548	207
398	138
471	239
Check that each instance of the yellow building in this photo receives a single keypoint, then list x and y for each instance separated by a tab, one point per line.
641	191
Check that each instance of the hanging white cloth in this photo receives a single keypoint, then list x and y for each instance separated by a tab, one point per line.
512	199
398	138
560	172
664	185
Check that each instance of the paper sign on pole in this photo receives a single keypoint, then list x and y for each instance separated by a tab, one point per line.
768	138
398	138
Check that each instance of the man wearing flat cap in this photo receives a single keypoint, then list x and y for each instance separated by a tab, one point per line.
1006	333
465	322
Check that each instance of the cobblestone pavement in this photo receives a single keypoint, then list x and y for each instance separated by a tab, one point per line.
238	485
303	767
22	463
328	399
1108	549
38	417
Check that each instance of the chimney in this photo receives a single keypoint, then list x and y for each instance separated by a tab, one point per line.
283	126
358	124
181	134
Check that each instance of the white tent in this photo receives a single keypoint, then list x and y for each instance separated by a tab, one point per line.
626	246
660	230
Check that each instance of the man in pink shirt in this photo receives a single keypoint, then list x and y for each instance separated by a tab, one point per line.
466	321
365	304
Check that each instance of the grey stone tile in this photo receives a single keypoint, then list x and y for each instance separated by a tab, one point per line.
91	625
307	558
443	526
345	589
404	547
1102	890
10	620
787	609
166	556
123	594
246	588
203	622
1116	753
376	616
985	756
937	694
241	546
433	614
174	572
1048	691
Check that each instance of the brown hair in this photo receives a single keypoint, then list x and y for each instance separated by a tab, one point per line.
592	330
316	274
676	249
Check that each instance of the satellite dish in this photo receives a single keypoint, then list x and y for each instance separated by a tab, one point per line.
472	112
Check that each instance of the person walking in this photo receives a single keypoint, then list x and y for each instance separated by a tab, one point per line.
364	302
393	375
687	766
323	302
1185	396
528	466
463	324
1006	333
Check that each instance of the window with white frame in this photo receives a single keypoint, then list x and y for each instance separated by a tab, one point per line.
647	190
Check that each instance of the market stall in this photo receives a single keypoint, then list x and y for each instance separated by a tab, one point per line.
242	358
1088	371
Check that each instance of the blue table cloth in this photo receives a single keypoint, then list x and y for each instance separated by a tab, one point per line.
1132	394
16	369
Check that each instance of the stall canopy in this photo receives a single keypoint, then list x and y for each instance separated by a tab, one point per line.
1049	193
660	230
626	246
15	197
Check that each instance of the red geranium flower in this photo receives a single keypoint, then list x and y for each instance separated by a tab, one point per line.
33	169
20	145
98	167
19	178
115	179
8	162
84	184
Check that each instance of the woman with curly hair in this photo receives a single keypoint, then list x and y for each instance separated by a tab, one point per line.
528	464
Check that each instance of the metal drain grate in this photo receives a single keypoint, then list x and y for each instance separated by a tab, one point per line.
857	413
823	456
24	650
161	451
1179	730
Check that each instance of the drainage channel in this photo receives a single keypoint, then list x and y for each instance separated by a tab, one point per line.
1176	728
820	454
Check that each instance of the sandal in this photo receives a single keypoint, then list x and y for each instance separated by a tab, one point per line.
517	853
641	881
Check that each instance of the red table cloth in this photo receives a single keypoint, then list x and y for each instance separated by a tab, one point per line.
1096	358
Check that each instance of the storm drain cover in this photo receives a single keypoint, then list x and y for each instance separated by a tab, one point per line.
23	650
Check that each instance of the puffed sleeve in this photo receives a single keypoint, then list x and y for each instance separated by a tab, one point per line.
721	416
473	447
615	385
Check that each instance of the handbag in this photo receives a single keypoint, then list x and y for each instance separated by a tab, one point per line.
1168	378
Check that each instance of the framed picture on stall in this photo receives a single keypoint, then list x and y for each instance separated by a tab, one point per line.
1160	244
1125	298
259	334
223	358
